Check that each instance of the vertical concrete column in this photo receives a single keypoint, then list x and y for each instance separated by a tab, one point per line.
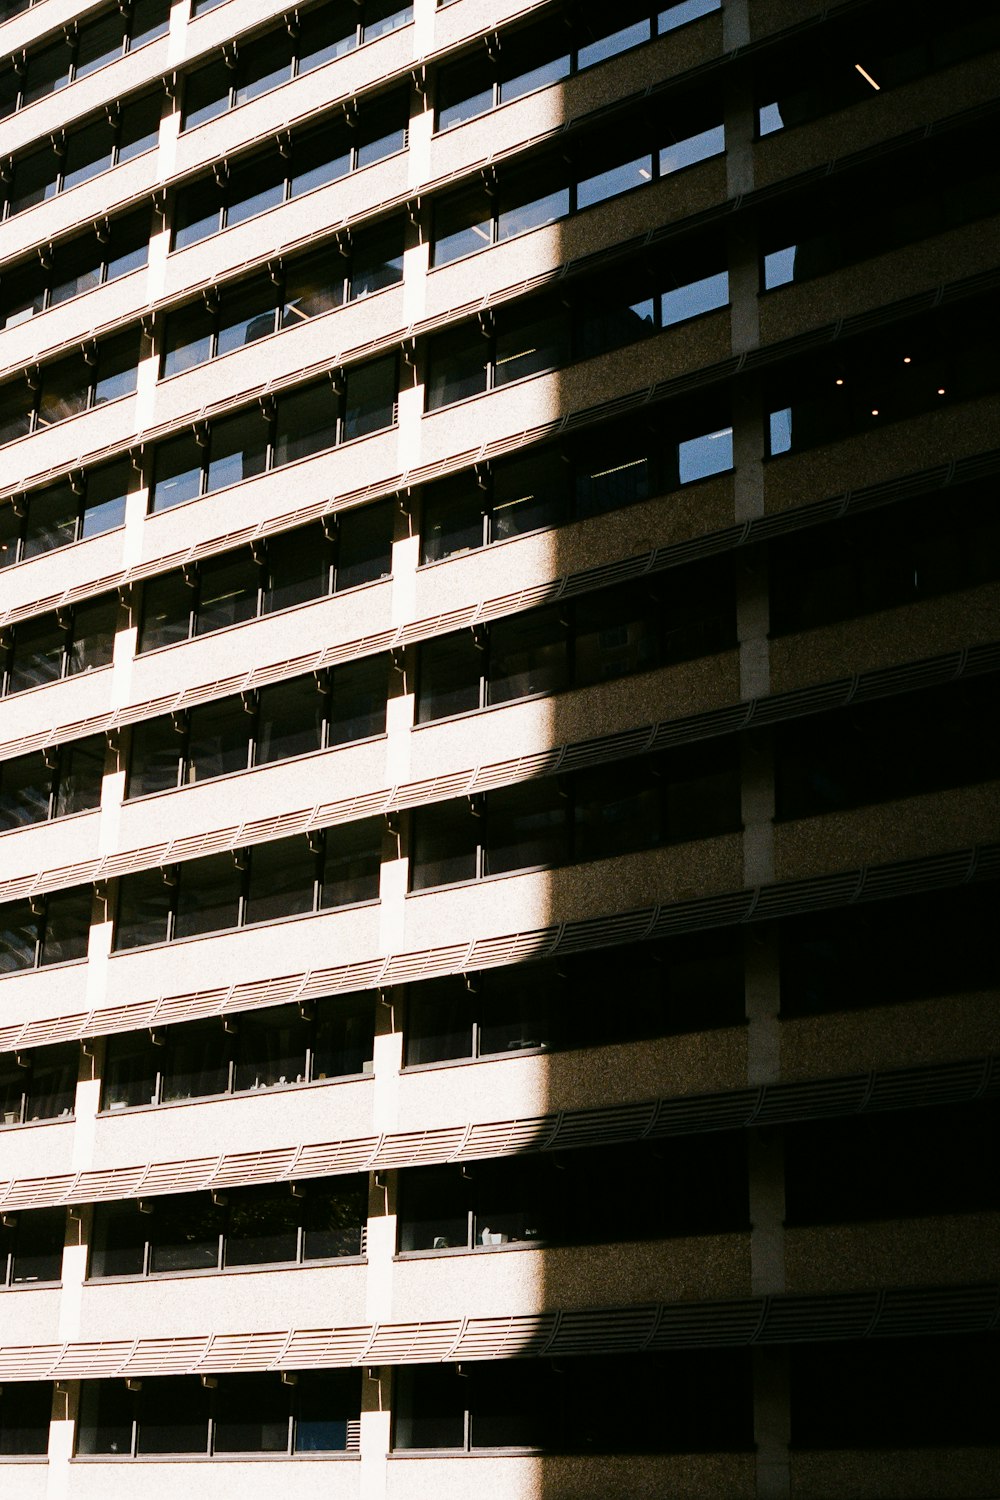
376	1395
771	1423
62	1438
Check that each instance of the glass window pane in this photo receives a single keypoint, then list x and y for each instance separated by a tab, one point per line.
176	472
37	657
327	32
10	536
439	1021
358	700
65	389
533	58
344	1037
383	125
143	909
614	180
208	895
516	1009
449	679
16	407
184	1232
289	720
47	70
529	493
228	591
35	180
237	449
106	495
22	294
247	315
616	814
130	1067
117	368
695	298
117	1240
377	259
533	197
271	1045
458	366
433	1209
314	284
616	632
148	19
353	855
25	788
526	827
18	936
683	12
298	568
196	1060
528	654
282	880
453	519
166	611
188	339
462	224
695	148
197	212
218	740
526	345
262	1228
364	545
67	925
81	773
128	248
106	1412
383	16
710	453
38	1245
99	43
464	91
76	269
93	635
52	1091
89	150
430	1402
608	479
445	844
327	1400
370	403
252	1414
611	42
140	126
263	64
173	1414
306	423
320	156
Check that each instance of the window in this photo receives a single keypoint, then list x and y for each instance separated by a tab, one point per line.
624	463
91	45
863	957
292	568
38	1085
264	1049
74	266
291	718
277	1223
318	154
690	1402
67	512
50	929
689	984
611	633
308	1411
69	386
541	54
25	1408
108	140
48	647
586	815
301	422
898	747
219	891
31	1247
51	783
684	1186
527	197
269	59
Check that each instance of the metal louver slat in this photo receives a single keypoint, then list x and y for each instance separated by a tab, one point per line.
410	1343
849	1315
714	1325
943	1310
506	1337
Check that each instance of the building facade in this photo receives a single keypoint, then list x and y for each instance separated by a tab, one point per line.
498	749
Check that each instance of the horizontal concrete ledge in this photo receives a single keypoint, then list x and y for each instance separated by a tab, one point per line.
767	1104
876	1313
730	909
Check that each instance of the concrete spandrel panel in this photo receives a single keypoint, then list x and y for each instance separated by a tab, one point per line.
91	200
224	1302
62	446
48	576
687	1476
52	845
25	1480
65	702
43	994
29	1316
44	1149
263	1119
300	1478
71	322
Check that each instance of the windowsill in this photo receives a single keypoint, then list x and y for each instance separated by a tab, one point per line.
78	541
450	1251
186	134
266	1268
24	1458
67	1119
274	614
229	489
277	1088
31	1286
267	341
229	777
490	1057
277	207
211	1458
266	925
458	1453
43	968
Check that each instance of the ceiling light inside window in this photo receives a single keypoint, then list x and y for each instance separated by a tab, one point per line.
868	78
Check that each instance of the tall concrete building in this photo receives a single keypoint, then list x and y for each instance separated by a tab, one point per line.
499	571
